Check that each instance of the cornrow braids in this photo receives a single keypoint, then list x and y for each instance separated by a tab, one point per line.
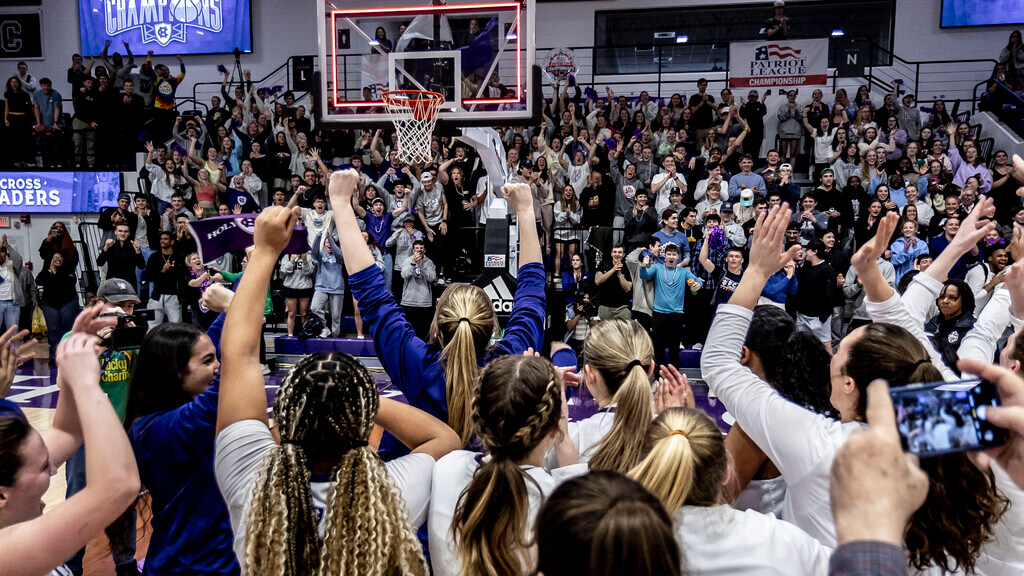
517	405
325	412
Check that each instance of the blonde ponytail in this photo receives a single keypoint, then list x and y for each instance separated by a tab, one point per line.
686	461
463	325
622	352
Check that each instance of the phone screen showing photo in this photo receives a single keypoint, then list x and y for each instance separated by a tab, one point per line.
942	417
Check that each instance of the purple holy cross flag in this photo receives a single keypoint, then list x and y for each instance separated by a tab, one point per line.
219	235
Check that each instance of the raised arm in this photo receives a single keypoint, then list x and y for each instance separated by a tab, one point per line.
112	472
243	394
865	260
421	432
766	255
972	230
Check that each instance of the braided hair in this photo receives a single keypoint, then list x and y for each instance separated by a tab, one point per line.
517	405
325	412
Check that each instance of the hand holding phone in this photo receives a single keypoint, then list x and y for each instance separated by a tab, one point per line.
944	417
1009	456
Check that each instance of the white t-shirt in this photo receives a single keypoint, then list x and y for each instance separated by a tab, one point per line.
452	475
242	447
6	288
587	433
661	202
722	540
316	223
764	496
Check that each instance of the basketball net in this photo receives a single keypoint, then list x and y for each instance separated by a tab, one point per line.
414	113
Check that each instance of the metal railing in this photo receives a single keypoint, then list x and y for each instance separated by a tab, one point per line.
282	76
1003	101
926	79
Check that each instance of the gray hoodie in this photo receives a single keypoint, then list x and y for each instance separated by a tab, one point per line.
417	292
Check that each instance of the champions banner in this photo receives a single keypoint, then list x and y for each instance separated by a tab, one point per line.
784	63
165	26
219	235
37	192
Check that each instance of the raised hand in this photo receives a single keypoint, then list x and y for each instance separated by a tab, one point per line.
13	353
89	321
873	249
77	355
973	229
1010	416
108	243
274	228
766	255
217	298
518	196
341	187
673	391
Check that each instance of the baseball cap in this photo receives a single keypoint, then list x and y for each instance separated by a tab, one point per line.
115	290
747	197
727	206
407	217
526	164
124	195
827	171
426	177
779	3
752	93
377	200
786	166
417	240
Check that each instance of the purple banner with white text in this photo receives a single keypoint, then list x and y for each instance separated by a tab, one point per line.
219	235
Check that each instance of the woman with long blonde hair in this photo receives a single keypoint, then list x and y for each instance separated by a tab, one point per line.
320	502
482	510
618	362
686	467
439	376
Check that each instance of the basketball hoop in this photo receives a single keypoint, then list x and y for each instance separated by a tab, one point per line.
414	113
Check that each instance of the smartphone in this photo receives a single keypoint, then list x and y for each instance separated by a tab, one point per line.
942	417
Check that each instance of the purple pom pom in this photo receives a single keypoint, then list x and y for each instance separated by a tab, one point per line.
717	239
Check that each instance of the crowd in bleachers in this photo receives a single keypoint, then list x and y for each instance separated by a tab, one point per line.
871	245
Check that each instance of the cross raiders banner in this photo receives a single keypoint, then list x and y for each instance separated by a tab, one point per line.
782	63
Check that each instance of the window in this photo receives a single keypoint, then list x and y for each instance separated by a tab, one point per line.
649	40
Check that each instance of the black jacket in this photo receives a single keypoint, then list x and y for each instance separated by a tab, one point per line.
121	260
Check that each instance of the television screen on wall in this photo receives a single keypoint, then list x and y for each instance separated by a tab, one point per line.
957	13
167	27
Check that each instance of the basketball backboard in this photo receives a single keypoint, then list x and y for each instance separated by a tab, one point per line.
479	55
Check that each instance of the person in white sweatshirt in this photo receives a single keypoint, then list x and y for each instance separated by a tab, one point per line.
686	468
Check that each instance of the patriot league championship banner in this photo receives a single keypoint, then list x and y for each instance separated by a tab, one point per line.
785	63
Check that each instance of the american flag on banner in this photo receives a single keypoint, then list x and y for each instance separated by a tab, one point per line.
776	51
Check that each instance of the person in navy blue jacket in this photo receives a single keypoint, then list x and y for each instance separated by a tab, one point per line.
439	376
171	420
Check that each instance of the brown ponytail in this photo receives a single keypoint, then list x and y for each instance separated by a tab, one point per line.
517	405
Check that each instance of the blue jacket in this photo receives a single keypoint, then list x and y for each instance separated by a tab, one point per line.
413	365
779	287
191	527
